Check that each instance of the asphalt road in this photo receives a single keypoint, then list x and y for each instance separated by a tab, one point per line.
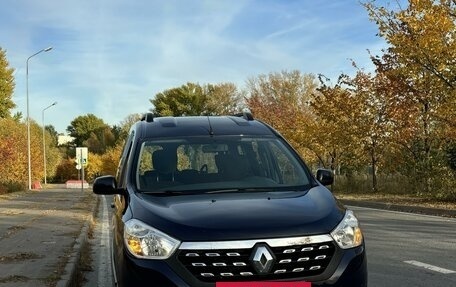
403	249
409	250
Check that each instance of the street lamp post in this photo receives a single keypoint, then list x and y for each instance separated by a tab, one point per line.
44	141
28	117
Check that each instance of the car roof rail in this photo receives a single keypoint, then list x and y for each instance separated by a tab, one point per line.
148	117
246	115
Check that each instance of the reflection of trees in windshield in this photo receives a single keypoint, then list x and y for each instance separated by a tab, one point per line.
145	162
247	163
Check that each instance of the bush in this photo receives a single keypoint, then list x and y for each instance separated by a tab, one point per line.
9	187
362	183
442	185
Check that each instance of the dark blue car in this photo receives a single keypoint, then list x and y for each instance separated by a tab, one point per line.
211	199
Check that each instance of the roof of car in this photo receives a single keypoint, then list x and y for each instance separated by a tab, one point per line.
201	125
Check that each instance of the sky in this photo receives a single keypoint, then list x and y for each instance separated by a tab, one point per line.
111	57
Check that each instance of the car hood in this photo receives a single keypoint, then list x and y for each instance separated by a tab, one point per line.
235	216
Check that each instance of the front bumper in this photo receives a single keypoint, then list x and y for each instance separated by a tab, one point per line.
349	268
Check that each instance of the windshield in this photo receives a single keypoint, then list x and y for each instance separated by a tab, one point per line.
208	164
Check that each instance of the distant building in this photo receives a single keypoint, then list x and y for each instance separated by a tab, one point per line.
64	139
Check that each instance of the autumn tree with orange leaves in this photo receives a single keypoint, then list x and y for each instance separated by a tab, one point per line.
422	55
283	101
356	116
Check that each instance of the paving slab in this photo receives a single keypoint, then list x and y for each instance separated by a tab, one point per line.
39	231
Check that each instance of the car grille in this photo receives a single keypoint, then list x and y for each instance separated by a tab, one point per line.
235	264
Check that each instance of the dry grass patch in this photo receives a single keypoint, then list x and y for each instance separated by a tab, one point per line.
14	278
21	256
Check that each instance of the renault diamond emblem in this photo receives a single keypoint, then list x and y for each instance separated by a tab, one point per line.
262	259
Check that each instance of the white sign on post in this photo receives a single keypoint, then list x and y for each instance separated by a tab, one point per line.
81	160
82	155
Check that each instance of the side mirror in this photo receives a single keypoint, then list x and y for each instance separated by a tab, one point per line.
106	185
325	176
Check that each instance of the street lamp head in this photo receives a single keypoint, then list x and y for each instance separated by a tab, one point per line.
48	49
50	106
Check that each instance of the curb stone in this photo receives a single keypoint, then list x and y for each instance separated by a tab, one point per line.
402	208
67	279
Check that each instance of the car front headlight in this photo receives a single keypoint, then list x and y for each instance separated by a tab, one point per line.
348	234
147	242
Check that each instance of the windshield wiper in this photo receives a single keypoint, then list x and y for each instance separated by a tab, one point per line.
171	192
167	192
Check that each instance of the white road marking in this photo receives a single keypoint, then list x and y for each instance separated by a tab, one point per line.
430	267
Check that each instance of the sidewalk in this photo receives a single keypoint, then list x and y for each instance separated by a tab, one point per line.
39	234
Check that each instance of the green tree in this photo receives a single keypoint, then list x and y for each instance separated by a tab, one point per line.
82	127
53	133
187	100
100	140
54	154
6	86
124	127
195	100
17	116
223	99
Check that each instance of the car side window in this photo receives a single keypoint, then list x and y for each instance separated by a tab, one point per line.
122	167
